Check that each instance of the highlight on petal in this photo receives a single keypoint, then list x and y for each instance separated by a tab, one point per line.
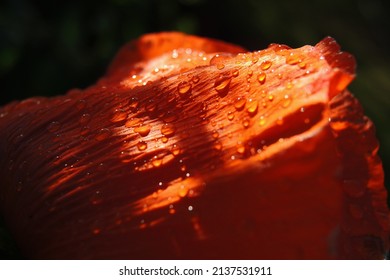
191	148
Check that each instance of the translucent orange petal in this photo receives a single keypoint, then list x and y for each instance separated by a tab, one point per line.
192	148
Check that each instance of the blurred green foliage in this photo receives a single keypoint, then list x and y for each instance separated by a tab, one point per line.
49	47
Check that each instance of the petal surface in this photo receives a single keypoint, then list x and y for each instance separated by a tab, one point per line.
191	148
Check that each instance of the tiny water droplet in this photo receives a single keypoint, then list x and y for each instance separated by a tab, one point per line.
184	88
119	115
168	130
218	59
270	97
190	208
215	134
261	78
142	145
246	122
252	107
279	121
235	73
195	79
103	134
54	126
81	104
164	139
240	149
142	130
287	101
230	116
265	65
239	104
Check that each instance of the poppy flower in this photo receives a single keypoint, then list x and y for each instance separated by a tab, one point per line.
191	148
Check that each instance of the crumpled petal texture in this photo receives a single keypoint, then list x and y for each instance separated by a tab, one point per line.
191	148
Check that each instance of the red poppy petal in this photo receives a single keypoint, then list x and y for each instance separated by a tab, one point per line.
247	155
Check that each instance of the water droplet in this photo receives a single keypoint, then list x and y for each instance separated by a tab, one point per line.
239	104
302	65
84	118
280	76
164	139
230	116
175	150
183	191
142	145
261	78
265	65
190	208
252	107
240	149
215	134
168	130
119	115
81	104
195	79
103	134
235	73
134	105
293	59
151	106
170	117
53	126
184	88
222	84
279	121
246	122
142	130
217	145
262	121
133	122
287	101
250	73
156	162
270	97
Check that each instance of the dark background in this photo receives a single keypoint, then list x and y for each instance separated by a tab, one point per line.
49	47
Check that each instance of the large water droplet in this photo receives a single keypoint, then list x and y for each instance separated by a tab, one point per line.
286	101
84	118
222	84
142	130
168	130
265	65
252	107
261	78
103	134
184	88
239	103
195	79
219	59
246	122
